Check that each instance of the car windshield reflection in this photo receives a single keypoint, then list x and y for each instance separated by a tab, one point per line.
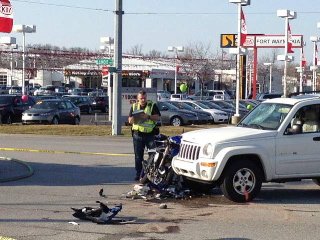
266	116
46	105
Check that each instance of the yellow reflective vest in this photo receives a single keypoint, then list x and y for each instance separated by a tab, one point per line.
148	125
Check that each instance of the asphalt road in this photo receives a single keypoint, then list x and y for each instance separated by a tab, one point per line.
69	172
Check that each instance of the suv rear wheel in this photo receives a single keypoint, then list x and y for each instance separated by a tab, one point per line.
242	181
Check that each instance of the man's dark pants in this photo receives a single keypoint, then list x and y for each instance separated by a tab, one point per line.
140	142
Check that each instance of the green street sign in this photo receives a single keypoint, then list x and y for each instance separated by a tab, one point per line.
104	61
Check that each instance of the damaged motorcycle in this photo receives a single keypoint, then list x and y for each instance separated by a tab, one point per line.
157	168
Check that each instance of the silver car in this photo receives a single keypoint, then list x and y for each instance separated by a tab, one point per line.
171	115
52	111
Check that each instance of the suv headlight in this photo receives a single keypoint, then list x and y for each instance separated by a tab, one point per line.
208	150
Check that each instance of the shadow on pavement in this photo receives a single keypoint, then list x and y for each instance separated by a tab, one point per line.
48	174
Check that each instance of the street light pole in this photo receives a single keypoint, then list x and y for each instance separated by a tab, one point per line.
314	67
286	14
24	29
23	62
240	51
117	83
109	41
175	50
13	46
270	75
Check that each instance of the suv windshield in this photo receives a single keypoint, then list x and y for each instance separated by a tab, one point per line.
267	116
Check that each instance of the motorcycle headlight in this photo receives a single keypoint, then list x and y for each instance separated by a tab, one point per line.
208	150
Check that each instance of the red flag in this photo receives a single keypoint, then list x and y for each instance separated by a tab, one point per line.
177	68
243	29
6	16
303	59
290	50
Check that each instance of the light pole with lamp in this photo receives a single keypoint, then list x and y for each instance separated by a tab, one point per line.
286	14
301	69
314	67
270	75
11	43
239	51
24	29
175	50
109	46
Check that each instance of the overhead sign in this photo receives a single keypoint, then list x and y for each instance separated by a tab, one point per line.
275	41
260	41
82	72
104	61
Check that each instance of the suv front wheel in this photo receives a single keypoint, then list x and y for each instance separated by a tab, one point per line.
242	181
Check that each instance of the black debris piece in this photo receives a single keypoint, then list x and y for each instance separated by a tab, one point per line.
100	215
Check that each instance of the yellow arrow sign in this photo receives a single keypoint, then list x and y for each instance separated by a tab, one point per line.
228	40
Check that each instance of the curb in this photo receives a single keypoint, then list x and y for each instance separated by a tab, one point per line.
27	166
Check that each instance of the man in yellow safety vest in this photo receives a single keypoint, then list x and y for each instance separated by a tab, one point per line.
143	116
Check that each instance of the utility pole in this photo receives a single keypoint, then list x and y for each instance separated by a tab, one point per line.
117	81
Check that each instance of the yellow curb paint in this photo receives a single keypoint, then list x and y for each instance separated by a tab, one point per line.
64	152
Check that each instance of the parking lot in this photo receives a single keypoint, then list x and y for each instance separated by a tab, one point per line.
71	175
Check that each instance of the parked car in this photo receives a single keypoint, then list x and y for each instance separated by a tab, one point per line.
15	90
43	97
231	109
202	116
176	97
101	103
163	95
83	102
213	105
4	89
209	95
264	96
171	115
80	91
46	90
52	111
12	107
218	115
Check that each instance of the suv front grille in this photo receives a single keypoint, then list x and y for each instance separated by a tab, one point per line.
189	152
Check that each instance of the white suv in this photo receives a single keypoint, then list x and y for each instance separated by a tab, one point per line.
277	141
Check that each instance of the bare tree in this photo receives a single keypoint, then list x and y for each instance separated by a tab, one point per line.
197	63
155	54
135	50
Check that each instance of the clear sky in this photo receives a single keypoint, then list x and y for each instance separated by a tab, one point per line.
157	24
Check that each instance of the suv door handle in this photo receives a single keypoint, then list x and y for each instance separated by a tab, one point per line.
316	139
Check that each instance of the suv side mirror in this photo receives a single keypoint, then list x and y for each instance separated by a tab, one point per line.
296	128
164	108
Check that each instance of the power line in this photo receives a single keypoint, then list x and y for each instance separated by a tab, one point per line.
64	5
155	13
